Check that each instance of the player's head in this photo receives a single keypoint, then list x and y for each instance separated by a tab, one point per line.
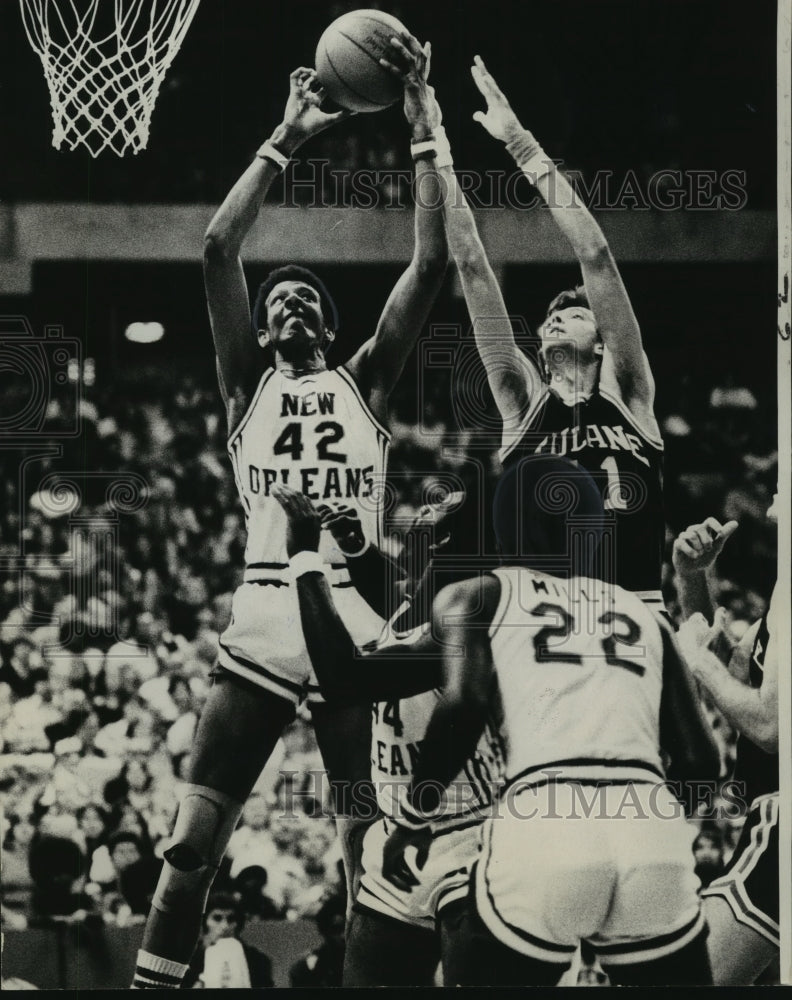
294	313
548	515
570	326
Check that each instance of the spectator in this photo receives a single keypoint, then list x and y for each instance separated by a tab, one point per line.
324	966
222	960
708	852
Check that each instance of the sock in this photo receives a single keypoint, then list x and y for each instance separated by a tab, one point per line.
155	973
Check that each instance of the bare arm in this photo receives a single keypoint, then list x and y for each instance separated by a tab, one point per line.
373	573
238	357
606	292
377	365
394	672
513	379
752	710
694	553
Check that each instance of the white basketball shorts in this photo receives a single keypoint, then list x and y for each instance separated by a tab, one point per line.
264	642
619	874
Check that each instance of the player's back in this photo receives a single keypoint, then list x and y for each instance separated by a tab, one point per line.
625	461
316	434
579	666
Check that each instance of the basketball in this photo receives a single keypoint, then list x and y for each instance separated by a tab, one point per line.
347	60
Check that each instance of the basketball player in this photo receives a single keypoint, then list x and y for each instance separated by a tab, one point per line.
742	906
589	843
594	402
323	431
397	936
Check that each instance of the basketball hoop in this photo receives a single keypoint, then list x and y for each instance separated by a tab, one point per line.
104	76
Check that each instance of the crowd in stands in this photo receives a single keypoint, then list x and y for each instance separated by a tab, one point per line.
109	626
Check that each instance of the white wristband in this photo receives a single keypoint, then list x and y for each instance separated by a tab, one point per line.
274	156
439	147
537	166
306	561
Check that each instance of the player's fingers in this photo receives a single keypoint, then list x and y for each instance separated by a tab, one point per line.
703	535
682	546
480	117
391	68
487	78
427	50
728	530
411	43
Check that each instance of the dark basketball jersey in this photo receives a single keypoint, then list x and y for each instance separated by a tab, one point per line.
756	768
625	461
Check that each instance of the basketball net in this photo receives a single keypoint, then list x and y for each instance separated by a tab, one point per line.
103	84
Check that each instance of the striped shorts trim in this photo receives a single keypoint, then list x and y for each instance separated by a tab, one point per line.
750	883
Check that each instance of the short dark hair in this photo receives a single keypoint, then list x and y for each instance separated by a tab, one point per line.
221	900
294	272
124	837
533	504
568	299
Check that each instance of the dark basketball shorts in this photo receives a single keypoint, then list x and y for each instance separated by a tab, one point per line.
750	883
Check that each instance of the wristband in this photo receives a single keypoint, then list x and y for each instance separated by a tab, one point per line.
272	155
537	166
436	147
356	555
529	155
306	561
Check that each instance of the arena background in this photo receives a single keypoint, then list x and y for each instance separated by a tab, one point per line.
618	91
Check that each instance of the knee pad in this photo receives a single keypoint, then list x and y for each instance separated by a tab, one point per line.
204	824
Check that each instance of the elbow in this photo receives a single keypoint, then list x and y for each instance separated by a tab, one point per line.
431	265
594	251
766	737
217	249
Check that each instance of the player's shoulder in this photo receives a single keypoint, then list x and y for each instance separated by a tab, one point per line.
476	597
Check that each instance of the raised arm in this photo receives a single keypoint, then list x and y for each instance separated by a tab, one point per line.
373	573
239	359
606	293
693	555
514	381
378	364
343	674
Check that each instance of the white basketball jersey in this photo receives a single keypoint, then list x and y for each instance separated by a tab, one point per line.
579	667
316	434
398	729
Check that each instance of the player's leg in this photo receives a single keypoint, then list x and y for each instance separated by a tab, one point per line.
343	733
742	906
738	954
472	956
236	734
383	951
688	966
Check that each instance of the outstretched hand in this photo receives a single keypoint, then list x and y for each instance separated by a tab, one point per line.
303	115
409	62
303	523
499	119
698	546
395	867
